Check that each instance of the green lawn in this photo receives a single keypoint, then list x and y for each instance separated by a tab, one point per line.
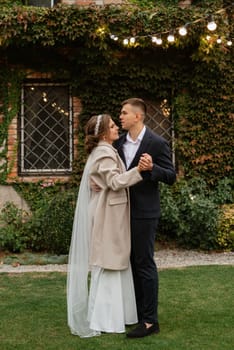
196	311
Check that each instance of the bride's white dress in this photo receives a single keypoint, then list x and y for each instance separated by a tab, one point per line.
111	300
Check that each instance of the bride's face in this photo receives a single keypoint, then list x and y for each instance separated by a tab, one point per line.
113	133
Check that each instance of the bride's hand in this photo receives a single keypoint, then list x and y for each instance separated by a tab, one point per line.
94	187
145	162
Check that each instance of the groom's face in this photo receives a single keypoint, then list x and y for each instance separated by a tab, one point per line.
128	117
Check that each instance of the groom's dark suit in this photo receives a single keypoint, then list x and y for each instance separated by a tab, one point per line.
145	212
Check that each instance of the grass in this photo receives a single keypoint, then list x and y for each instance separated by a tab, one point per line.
195	312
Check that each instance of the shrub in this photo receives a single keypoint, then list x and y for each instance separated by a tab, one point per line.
198	222
12	234
36	194
225	235
50	227
169	219
223	192
189	212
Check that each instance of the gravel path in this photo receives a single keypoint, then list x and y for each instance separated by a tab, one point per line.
165	258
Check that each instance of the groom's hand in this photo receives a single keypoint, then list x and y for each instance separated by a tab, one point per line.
146	161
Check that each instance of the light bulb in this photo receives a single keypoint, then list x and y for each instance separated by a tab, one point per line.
125	41
211	24
132	40
113	37
158	41
171	38
219	40
229	42
183	31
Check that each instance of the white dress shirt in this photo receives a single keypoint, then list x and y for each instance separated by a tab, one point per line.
130	147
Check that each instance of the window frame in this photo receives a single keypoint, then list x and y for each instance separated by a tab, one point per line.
52	3
21	153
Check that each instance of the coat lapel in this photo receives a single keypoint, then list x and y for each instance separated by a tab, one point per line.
120	149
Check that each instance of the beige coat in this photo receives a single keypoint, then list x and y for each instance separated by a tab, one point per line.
109	209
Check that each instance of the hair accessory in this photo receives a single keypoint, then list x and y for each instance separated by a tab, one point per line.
99	117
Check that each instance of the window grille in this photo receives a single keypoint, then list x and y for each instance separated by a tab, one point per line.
46	132
159	119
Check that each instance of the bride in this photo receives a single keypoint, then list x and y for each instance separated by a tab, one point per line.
100	291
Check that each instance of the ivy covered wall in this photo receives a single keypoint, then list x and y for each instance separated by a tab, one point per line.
194	74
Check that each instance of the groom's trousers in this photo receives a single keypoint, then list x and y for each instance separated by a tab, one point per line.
144	269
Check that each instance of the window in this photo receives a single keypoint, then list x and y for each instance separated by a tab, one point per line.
42	3
159	119
46	131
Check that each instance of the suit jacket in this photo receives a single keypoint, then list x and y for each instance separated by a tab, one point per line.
144	196
109	208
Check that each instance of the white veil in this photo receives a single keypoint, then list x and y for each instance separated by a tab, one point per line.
78	263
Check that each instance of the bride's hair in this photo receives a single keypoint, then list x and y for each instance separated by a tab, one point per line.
96	128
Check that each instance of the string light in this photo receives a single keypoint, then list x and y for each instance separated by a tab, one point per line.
114	37
211	24
183	30
44	96
159	40
171	37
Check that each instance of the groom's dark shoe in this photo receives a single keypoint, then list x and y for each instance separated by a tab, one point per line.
142	331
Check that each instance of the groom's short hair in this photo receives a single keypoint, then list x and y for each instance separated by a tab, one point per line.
136	102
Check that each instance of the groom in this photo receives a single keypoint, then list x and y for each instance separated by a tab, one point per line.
141	142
